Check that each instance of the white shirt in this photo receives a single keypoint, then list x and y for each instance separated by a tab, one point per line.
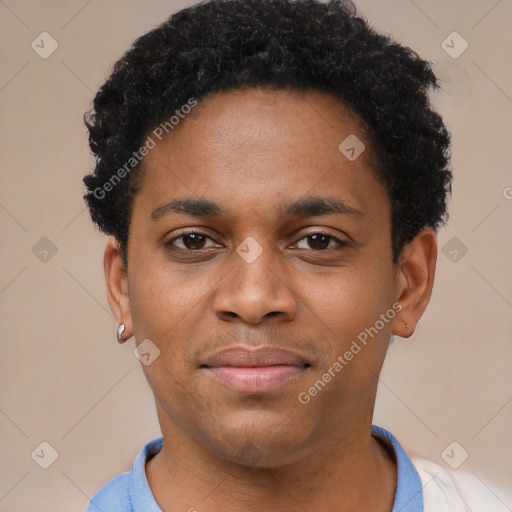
446	490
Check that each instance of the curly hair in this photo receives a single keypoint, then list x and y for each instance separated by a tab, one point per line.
219	45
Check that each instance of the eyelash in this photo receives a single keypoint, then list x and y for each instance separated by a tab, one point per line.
170	244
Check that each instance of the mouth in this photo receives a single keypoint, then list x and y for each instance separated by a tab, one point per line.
255	370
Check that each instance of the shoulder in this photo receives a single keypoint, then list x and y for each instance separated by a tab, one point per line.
447	490
114	496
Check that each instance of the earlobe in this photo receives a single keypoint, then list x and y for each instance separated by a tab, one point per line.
414	281
116	281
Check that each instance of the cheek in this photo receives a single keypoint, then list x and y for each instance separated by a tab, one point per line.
165	301
346	303
166	309
347	311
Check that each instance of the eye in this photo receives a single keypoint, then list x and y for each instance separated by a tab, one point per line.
195	241
190	241
320	242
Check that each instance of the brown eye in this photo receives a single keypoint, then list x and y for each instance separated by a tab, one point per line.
189	241
193	241
320	242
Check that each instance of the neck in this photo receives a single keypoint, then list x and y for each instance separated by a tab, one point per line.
350	471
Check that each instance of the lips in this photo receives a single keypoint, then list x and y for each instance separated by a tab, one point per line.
255	370
243	357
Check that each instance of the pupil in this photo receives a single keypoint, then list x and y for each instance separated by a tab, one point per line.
318	241
194	239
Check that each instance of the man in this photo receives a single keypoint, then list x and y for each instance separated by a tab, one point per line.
271	176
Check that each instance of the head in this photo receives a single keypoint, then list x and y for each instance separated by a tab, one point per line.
269	173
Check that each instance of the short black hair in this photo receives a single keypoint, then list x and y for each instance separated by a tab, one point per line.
220	45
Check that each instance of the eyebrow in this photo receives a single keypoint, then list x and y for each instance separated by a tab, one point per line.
305	207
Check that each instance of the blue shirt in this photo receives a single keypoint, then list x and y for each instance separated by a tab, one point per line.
130	491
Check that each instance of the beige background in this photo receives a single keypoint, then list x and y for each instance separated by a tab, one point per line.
66	381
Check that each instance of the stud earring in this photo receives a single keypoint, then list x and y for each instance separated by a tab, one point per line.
120	330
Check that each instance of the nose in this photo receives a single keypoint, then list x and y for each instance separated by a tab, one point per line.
255	289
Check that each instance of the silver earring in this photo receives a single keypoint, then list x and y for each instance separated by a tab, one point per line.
120	330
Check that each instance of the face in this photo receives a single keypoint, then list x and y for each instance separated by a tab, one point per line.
258	255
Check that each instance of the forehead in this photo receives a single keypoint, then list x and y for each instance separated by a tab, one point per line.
259	144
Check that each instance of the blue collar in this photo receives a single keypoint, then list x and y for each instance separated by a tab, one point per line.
132	493
409	491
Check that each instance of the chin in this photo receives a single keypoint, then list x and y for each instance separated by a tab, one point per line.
259	440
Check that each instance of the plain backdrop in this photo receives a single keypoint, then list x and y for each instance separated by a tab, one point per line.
65	380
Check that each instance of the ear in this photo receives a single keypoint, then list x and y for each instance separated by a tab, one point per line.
117	285
414	280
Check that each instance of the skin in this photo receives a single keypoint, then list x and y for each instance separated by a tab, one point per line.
249	151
